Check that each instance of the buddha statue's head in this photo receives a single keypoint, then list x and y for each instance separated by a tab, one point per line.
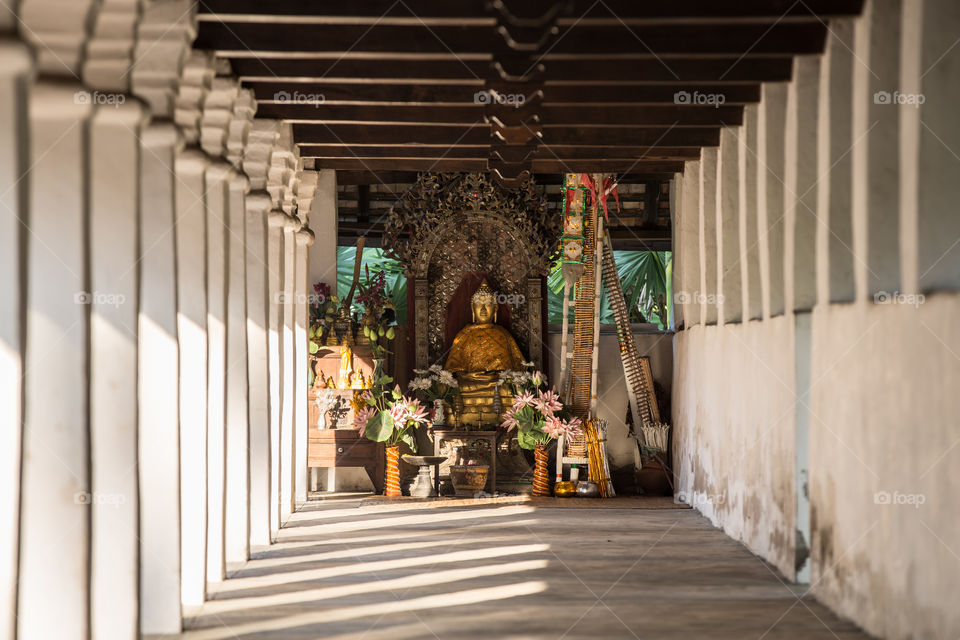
484	304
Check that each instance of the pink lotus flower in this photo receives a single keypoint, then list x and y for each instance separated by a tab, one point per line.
408	410
523	399
362	417
398	412
509	421
572	428
548	402
416	411
553	427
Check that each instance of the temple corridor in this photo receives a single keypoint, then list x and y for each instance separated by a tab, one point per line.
313	314
341	569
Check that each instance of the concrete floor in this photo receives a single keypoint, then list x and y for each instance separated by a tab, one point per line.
352	569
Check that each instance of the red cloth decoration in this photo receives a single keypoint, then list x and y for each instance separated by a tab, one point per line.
609	188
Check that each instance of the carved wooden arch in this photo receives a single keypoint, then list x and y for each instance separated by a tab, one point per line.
440	276
427	220
433	239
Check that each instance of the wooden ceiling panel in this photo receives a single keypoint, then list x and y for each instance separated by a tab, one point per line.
380	90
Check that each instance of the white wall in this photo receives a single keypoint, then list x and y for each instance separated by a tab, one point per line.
829	427
612	389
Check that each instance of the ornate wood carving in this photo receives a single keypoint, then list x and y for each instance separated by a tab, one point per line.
449	224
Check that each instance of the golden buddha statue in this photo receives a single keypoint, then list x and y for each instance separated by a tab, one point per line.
480	351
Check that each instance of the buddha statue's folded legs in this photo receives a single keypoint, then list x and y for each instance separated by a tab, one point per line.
478	390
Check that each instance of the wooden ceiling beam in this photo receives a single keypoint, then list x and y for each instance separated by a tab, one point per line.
482	152
544	165
619	115
707	40
404	178
393	134
566	94
646	70
626	10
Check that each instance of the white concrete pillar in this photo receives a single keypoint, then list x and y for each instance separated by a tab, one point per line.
323	264
910	84
323	223
114	254
237	494
15	70
288	382
689	225
937	189
304	238
275	262
158	380
708	236
217	180
771	122
800	183
258	210
749	237
876	158
728	227
834	235
191	231
55	495
676	319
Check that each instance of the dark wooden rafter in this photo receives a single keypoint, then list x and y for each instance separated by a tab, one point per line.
630	11
705	40
561	115
310	92
469	70
479	152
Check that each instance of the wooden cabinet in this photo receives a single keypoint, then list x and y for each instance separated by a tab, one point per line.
346	448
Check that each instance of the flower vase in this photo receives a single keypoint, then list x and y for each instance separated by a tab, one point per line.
439	413
541	476
392	486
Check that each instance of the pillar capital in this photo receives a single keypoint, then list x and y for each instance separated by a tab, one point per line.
305	237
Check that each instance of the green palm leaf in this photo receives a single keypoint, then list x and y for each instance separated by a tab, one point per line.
644	279
376	260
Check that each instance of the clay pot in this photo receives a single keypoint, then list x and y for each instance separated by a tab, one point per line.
652	479
469	480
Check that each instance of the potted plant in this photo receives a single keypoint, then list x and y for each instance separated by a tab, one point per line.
435	386
539	417
391	418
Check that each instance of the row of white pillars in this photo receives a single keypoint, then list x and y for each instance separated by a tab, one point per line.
838	186
140	350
